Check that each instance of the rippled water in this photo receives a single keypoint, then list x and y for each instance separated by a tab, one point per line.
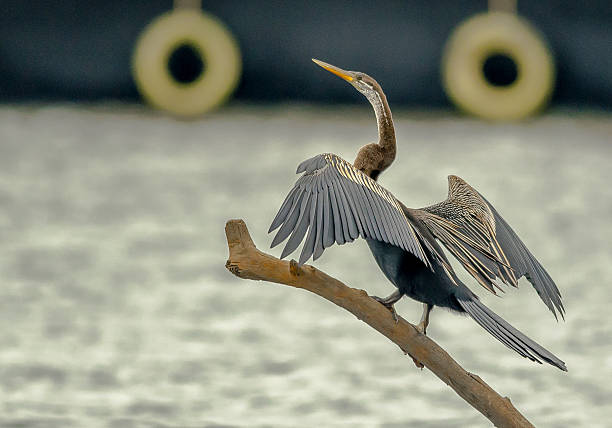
116	309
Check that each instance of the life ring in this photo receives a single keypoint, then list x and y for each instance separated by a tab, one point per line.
490	34
201	35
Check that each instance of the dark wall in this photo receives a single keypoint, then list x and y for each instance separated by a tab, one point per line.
80	50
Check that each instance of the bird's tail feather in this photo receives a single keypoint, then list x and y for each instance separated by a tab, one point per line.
506	334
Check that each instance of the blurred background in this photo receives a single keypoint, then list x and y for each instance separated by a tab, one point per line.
131	131
64	51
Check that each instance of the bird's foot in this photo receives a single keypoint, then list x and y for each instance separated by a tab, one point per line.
421	328
416	362
389	306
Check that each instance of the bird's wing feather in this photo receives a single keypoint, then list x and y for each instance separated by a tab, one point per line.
474	232
336	203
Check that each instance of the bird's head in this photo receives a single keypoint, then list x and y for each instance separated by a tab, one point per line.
372	159
360	81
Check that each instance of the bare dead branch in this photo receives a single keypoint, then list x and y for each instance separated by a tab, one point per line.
246	261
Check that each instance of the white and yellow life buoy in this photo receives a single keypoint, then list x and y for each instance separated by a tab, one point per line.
206	37
486	35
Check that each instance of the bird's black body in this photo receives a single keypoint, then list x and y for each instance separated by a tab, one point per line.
412	278
434	287
336	202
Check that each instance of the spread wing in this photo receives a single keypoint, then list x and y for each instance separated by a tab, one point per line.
473	231
336	203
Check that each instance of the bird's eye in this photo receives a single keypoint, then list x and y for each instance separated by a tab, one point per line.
359	78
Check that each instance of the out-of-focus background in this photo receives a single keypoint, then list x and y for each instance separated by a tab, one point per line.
65	51
131	131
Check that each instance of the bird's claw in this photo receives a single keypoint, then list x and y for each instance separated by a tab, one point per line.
390	307
417	363
393	313
421	328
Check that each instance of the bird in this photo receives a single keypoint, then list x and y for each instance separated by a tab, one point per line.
336	202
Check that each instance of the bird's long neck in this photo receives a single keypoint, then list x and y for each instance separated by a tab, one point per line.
386	131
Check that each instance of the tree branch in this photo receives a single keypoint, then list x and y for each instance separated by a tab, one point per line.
246	261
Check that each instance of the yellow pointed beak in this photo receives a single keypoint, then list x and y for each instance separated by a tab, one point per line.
346	75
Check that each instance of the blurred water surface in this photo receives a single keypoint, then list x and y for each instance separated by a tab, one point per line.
116	309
